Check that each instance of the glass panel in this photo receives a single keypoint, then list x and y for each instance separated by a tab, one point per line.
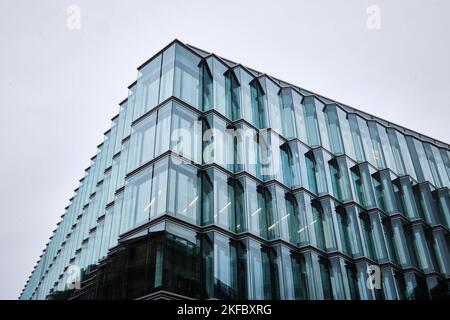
224	201
182	261
115	227
259	107
220	271
427	205
158	200
136	199
421	248
377	237
356	138
312	127
163	129
346	132
184	192
167	74
409	167
206	85
245	149
218	72
288	114
445	180
396	152
147	94
143	140
318	218
325	275
187	76
245	79
377	150
340	179
387	150
298	165
274	105
232	96
186	133
369	151
334	130
305	216
317	177
436	179
258	266
254	211
217	142
267	200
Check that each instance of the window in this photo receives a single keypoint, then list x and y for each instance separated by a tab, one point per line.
377	150
143	140
288	113
317	176
115	224
377	237
259	107
317	225
219	84
325	275
297	164
245	143
220	267
206	86
334	129
186	133
273	104
312	127
158	200
254	209
356	138
167	74
369	151
258	266
147	93
246	103
384	191
396	152
163	129
217	142
362	183
187	76
218	195
340	179
182	261
232	96
137	198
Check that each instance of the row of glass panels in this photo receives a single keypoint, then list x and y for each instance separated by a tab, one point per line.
213	265
207	83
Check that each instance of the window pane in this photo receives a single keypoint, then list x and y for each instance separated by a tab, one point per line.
187	76
186	133
159	189
163	129
147	94
334	130
167	74
184	192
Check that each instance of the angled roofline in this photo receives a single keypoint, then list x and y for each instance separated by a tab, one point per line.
346	107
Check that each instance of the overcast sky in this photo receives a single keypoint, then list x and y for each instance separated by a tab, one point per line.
60	87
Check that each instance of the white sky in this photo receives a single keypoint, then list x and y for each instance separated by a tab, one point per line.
60	88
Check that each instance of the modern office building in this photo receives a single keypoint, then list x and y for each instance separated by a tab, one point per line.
218	181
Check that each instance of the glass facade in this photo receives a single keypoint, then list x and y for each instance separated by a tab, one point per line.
218	182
